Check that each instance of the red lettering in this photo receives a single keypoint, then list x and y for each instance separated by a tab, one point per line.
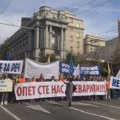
91	88
24	91
57	89
62	88
43	88
39	90
33	90
84	88
87	88
53	88
19	91
47	89
29	91
79	88
97	88
103	88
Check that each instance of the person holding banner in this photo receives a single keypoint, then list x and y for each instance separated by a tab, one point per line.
53	78
41	78
33	80
4	98
108	90
21	79
69	90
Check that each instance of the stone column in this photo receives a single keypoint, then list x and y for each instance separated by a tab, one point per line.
61	44
28	49
46	37
64	45
37	48
50	36
37	37
62	38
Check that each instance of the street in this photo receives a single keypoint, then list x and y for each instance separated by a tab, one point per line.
49	110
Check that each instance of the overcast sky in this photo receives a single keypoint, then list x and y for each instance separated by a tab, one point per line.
100	16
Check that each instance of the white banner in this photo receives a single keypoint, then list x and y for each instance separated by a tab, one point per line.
118	75
11	67
33	68
114	83
57	89
6	85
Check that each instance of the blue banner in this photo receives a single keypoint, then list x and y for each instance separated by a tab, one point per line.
64	68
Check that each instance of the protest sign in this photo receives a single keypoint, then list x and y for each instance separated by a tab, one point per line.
11	67
57	89
114	83
33	68
6	85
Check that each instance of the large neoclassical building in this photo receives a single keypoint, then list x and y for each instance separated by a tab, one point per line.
48	31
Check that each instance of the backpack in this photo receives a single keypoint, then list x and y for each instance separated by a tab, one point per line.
74	88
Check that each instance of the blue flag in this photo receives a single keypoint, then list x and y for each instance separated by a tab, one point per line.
71	69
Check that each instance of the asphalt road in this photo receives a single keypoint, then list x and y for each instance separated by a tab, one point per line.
82	110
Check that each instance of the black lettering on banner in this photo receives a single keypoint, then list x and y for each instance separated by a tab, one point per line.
15	67
6	67
1	67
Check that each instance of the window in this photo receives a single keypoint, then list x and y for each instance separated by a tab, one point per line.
93	42
71	38
91	49
54	42
63	17
78	44
55	16
47	12
78	35
78	25
71	49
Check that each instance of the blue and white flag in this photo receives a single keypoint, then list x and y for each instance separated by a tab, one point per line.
77	71
71	69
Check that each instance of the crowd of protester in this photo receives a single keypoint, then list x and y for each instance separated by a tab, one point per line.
6	97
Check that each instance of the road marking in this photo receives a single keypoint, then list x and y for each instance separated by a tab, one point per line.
37	107
10	113
101	116
105	105
53	102
82	103
85	104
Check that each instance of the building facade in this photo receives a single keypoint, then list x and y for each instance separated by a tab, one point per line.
92	43
49	31
119	29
